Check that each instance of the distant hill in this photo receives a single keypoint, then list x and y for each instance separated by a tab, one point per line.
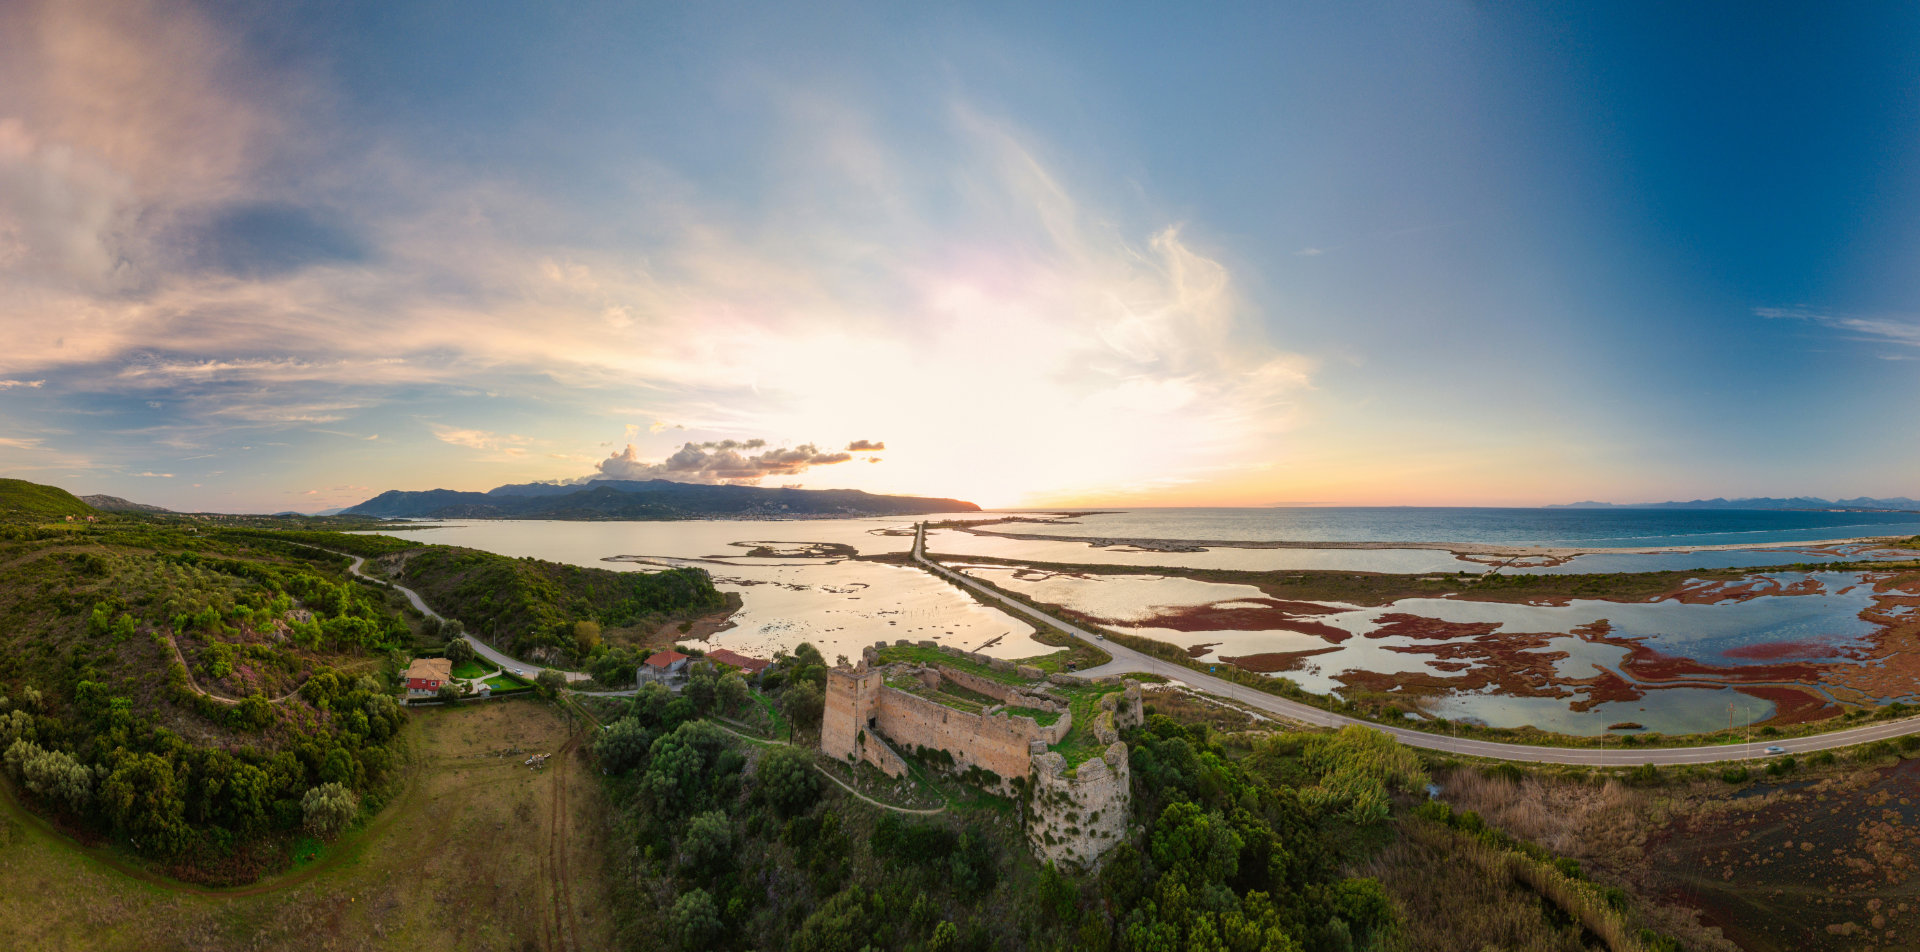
1762	502
116	504
652	499
20	499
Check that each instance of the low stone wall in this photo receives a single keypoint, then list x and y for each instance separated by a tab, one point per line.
1076	818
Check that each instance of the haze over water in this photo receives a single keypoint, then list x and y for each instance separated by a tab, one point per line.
1585	528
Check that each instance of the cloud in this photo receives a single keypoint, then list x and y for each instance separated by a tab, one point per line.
866	446
719	462
156	475
510	444
1889	330
16	384
20	443
1310	252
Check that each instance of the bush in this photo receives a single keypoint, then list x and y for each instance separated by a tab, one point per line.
459	650
1736	775
550	682
327	809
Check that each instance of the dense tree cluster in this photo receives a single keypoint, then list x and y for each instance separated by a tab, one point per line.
521	605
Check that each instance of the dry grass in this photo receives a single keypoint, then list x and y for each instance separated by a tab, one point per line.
479	853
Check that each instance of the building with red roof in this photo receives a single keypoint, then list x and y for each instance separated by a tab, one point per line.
734	659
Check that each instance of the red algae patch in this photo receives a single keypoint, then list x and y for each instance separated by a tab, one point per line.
1791	705
1647	664
1271	662
1775	650
1399	625
1240	615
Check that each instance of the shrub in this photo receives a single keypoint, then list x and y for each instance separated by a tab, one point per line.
1735	775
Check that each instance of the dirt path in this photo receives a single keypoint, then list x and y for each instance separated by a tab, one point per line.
564	932
209	695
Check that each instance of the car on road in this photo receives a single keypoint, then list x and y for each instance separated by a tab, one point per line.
520	671
1776	749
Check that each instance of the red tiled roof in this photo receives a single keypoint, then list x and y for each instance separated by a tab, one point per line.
665	659
734	659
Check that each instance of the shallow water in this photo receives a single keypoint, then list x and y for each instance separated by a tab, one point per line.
838	605
1808	627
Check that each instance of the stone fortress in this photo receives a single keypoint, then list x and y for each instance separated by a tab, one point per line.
1074	815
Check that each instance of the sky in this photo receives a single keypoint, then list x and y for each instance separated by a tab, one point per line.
269	256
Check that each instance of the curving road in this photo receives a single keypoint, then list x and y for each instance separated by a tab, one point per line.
500	659
1128	661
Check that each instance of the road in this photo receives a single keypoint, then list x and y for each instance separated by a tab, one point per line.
1128	661
501	659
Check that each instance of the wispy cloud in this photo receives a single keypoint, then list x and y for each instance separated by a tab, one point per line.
1891	330
17	384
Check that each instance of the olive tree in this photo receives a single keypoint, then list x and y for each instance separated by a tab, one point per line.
328	809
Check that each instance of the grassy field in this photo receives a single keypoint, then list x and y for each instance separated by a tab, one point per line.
479	852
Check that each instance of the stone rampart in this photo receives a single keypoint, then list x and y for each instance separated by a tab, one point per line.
997	743
853	696
1078	816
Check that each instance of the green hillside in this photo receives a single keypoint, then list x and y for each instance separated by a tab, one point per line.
22	501
187	695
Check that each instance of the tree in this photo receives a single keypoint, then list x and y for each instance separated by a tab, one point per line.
586	636
680	764
550	682
52	775
144	797
253	712
707	847
703	685
327	809
623	745
695	920
732	691
459	651
804	704
786	781
448	692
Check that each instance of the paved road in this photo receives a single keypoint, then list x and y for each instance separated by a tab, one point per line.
501	659
1126	661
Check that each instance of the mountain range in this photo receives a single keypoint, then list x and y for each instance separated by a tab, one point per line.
651	499
1761	502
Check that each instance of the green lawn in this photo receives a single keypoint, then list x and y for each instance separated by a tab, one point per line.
935	656
1040	717
1079	745
506	682
471	669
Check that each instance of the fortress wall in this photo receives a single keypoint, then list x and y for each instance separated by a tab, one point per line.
996	743
1076	819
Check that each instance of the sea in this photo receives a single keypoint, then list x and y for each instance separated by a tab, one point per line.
1568	528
